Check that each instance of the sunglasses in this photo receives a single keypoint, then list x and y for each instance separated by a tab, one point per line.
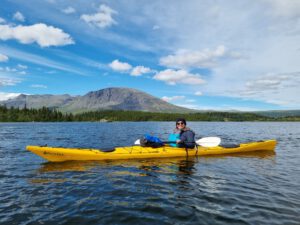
180	123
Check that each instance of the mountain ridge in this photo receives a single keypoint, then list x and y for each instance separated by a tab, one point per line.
113	98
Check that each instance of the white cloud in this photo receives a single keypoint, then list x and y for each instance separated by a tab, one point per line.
275	88
190	106
271	82
139	70
155	27
38	86
125	67
24	67
5	96
2	20
8	81
69	10
198	93
51	1
173	77
8	69
12	71
40	33
51	72
271	45
197	59
119	66
285	8
220	108
19	16
39	60
103	18
3	58
173	98
190	100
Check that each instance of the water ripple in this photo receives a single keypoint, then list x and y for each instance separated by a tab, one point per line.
257	188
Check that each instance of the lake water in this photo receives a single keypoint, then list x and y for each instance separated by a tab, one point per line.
235	189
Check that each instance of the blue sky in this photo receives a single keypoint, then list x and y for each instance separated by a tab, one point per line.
201	54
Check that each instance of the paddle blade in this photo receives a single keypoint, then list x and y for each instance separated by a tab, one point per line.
137	142
209	141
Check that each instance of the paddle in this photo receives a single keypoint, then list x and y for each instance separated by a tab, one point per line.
204	142
209	141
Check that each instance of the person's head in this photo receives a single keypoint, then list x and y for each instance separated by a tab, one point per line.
180	123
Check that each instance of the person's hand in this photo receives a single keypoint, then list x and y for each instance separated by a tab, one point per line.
178	141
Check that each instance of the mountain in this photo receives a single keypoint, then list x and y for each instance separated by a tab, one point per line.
38	101
105	99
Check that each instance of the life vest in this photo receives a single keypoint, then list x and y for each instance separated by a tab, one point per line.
174	138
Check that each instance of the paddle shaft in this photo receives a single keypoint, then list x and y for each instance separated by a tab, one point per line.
204	142
174	142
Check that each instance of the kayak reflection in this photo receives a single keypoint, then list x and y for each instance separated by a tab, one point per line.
162	165
158	165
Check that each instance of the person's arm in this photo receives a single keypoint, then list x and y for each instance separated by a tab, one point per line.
182	139
187	137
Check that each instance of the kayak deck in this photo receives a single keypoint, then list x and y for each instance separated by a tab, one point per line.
58	154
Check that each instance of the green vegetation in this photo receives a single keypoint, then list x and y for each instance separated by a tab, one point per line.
279	113
52	115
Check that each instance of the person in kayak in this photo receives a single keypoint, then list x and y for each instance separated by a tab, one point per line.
182	135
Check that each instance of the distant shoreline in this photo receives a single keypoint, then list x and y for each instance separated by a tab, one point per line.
52	115
146	121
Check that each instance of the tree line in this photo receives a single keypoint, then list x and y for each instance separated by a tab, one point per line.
53	115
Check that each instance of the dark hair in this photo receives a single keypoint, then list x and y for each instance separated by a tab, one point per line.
182	120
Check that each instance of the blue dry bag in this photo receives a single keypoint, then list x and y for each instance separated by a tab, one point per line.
151	141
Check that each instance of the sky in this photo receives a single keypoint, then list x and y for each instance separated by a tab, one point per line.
201	54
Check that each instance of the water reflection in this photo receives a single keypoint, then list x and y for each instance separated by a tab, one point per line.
187	166
183	165
247	188
66	166
149	165
256	154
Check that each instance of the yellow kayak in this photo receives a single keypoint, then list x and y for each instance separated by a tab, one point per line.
58	154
